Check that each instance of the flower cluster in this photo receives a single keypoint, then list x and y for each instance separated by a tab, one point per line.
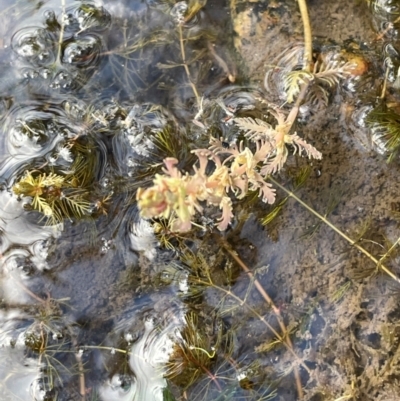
176	194
271	141
236	169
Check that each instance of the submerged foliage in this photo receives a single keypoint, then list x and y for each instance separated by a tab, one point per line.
385	131
53	195
240	171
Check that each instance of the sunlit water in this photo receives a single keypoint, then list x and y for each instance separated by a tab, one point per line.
82	100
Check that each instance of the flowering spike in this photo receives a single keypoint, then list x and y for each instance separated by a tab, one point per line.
237	168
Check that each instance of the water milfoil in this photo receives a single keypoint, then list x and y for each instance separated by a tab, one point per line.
236	169
52	195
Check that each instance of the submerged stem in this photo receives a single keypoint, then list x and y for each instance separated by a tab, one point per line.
186	67
378	263
239	300
81	373
112	349
307	60
61	37
389	251
285	338
291	118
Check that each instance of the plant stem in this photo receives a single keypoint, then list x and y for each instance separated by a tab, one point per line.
291	118
285	338
29	292
61	37
307	59
338	231
240	301
389	251
186	67
81	374
112	349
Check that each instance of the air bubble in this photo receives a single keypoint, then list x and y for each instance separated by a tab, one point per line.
82	52
34	45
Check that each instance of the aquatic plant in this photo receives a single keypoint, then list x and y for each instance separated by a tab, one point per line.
38	342
246	168
233	373
247	164
192	355
384	125
378	262
251	140
53	196
243	170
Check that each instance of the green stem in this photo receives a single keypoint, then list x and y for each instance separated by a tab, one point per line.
307	35
112	349
282	338
285	338
186	67
61	37
341	233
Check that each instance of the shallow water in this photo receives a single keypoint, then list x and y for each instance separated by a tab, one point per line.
98	303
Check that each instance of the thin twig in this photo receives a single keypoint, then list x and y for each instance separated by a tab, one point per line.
222	63
28	291
338	231
82	384
383	93
112	349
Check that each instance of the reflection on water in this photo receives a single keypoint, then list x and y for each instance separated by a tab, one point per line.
23	248
87	118
23	377
148	359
